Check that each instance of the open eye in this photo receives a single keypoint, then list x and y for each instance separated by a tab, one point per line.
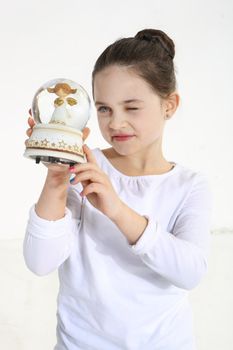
103	109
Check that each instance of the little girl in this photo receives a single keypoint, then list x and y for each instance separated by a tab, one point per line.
130	233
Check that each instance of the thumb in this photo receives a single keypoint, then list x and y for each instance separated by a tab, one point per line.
89	155
86	132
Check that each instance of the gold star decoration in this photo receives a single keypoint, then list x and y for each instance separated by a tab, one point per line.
76	147
62	144
44	143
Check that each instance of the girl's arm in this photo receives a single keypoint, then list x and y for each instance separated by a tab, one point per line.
50	229
52	201
179	256
51	226
47	244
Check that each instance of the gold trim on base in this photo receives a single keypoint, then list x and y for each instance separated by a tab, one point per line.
61	146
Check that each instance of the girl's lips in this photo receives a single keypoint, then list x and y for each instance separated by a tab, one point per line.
122	137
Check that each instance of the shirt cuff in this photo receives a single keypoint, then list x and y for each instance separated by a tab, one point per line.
44	229
148	239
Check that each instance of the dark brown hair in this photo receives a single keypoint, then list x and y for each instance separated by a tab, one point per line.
150	54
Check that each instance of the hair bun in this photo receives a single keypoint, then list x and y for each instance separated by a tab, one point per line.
157	36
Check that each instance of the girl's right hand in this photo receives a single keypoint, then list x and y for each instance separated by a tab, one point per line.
52	200
59	172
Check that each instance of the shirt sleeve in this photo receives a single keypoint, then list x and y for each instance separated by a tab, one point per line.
47	244
180	256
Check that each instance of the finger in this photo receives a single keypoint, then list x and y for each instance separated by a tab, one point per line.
82	167
86	132
31	122
85	183
73	172
90	176
92	188
29	132
89	155
30	111
74	181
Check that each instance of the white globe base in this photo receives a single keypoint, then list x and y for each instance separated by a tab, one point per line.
53	156
54	143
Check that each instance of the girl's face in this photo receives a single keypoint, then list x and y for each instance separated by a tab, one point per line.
130	114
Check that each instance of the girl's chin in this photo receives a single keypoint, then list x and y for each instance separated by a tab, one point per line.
124	151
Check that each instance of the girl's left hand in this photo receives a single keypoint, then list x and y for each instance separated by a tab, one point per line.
96	185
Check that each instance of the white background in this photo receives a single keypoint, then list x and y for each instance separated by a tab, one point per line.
42	40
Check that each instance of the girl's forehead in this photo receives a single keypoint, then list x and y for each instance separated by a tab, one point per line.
120	81
119	73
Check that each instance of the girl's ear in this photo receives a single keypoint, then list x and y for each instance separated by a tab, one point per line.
171	104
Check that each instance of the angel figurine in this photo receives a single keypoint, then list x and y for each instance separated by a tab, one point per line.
61	113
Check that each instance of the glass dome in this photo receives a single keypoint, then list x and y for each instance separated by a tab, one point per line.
62	101
61	109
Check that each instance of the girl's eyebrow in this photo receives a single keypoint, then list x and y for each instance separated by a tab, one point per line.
123	102
99	103
132	100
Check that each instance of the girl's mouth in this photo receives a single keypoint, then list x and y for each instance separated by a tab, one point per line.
122	137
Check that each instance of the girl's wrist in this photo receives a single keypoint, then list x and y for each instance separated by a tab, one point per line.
57	180
117	213
130	223
52	201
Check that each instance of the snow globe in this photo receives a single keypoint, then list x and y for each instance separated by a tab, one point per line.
61	109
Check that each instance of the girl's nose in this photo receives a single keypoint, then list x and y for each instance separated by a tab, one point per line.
117	122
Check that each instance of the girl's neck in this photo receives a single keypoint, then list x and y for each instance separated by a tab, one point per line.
150	163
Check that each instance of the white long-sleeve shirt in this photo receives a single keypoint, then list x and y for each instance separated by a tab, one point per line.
117	296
